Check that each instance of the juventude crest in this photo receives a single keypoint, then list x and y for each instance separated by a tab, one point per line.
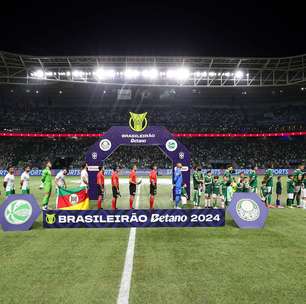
138	122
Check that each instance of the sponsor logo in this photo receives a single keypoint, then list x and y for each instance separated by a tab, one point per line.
94	155
105	145
171	145
181	155
184	169
50	218
138	122
248	210
18	212
73	199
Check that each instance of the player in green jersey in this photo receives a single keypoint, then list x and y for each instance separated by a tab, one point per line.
264	193
208	182
184	195
224	186
253	179
46	184
197	178
298	181
228	173
240	182
269	182
246	184
216	192
290	191
304	191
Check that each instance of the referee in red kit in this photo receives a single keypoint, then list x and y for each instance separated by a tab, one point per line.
132	185
100	186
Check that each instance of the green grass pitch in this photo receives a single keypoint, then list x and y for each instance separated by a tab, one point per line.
184	265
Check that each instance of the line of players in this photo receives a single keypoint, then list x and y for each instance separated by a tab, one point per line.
219	192
216	192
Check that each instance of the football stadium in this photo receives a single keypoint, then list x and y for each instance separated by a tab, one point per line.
152	152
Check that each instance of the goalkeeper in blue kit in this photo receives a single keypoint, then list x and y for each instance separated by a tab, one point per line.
178	182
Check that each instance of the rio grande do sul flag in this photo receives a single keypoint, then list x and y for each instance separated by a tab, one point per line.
73	199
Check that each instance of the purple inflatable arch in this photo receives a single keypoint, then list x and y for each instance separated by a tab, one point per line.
123	135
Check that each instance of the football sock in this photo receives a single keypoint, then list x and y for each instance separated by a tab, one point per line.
131	201
99	202
151	201
177	200
114	203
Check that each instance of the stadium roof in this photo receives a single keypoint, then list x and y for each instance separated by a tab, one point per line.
153	71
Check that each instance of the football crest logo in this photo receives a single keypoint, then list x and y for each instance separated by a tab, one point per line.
18	212
138	122
50	219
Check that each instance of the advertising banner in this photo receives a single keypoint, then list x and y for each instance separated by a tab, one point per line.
140	218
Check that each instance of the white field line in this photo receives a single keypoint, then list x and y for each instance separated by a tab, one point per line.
125	285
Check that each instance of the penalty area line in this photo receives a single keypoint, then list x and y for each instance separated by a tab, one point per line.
125	285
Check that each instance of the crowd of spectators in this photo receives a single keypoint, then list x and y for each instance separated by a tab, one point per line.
182	119
216	153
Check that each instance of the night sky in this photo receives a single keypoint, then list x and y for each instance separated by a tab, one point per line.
187	28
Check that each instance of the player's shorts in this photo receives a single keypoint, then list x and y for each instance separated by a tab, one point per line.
290	195
26	191
153	189
99	191
115	192
253	189
47	188
207	192
304	192
184	200
214	195
7	193
269	189
132	189
222	197
297	188
178	191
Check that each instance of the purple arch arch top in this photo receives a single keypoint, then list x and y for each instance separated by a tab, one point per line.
123	135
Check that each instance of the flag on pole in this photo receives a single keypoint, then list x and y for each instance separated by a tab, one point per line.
72	199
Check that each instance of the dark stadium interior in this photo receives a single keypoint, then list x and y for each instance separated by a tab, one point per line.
93	109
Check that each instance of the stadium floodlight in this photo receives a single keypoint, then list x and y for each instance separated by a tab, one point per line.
238	74
212	74
178	74
50	74
150	73
199	74
38	74
131	74
102	74
77	74
226	74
